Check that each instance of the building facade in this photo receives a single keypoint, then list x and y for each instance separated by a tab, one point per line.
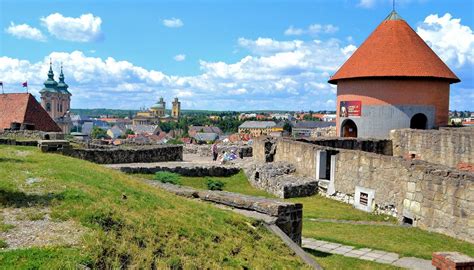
257	128
157	113
392	81
176	111
56	100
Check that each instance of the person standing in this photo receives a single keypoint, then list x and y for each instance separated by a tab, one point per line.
214	151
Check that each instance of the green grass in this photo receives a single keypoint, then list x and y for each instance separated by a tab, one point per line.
405	241
150	228
334	261
320	207
236	183
42	258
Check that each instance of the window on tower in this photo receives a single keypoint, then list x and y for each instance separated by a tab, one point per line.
48	107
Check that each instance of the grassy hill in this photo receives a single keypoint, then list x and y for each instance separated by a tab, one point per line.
127	223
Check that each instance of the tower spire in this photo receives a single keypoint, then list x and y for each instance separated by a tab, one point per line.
393	5
51	73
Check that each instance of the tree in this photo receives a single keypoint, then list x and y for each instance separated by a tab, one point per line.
287	127
98	133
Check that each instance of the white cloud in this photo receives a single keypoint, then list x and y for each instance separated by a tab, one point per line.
85	28
292	31
25	31
451	40
173	23
179	57
367	3
313	29
265	46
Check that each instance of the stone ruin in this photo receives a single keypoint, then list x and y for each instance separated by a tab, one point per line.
415	176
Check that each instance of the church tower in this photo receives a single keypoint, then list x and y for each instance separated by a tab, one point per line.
176	111
56	99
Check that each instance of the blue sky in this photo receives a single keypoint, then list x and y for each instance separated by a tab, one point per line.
223	55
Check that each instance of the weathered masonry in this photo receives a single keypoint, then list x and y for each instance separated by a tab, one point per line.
435	196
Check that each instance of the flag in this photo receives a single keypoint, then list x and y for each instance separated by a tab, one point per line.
25	84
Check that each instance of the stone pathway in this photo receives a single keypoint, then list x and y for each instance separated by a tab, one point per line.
354	222
367	254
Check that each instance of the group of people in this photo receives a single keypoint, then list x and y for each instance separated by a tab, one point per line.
225	156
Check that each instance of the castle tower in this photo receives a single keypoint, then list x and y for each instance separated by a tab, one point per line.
176	111
393	80
56	99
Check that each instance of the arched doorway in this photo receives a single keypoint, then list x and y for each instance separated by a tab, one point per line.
349	129
419	121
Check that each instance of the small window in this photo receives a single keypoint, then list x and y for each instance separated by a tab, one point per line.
364	199
48	107
407	221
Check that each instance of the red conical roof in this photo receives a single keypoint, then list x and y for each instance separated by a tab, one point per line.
394	49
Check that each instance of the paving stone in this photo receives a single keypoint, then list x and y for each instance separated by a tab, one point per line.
367	258
414	263
365	249
389	257
379	252
330	246
373	255
342	250
386	260
353	255
358	252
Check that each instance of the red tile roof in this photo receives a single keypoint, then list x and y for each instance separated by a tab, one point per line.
394	49
23	108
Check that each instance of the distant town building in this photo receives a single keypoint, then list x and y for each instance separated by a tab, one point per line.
115	132
393	80
193	130
205	137
21	111
144	129
257	128
309	128
56	100
157	113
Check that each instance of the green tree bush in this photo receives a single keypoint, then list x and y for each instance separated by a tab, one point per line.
167	177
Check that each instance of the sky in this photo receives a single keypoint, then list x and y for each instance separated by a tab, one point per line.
215	55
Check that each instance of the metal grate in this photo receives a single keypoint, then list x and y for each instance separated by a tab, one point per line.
364	198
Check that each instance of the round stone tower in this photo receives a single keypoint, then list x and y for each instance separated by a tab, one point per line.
393	80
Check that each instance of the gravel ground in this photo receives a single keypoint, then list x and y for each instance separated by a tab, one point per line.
38	233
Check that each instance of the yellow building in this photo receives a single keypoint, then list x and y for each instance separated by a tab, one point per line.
176	111
157	113
257	128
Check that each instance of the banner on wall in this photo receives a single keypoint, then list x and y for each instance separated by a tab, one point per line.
350	109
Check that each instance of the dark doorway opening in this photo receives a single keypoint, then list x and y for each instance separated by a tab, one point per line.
419	121
407	221
349	129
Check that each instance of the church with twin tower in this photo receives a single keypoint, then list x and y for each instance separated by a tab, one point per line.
56	100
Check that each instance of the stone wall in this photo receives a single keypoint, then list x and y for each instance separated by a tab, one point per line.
205	150
31	135
434	197
278	179
192	170
383	147
114	156
287	216
323	132
20	143
452	147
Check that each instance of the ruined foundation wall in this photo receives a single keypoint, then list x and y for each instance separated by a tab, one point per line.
436	197
453	147
115	156
300	154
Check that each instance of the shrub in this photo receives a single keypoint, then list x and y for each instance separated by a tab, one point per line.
168	177
214	184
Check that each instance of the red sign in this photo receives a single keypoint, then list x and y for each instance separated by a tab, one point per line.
350	108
